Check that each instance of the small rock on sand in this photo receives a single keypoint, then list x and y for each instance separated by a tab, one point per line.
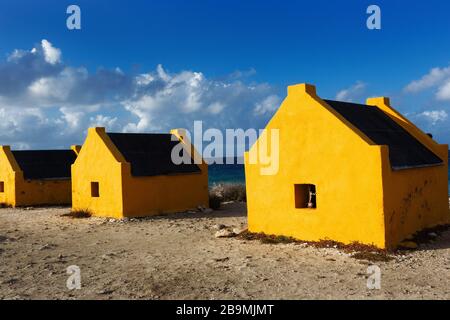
238	230
105	291
224	233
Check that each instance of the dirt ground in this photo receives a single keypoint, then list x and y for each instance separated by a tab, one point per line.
178	257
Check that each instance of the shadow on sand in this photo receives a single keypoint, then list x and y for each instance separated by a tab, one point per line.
228	209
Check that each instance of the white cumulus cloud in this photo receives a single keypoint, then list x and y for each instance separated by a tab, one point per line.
46	103
52	55
216	107
434	116
433	78
352	93
268	105
443	92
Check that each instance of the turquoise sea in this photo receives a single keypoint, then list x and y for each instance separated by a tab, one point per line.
234	173
226	173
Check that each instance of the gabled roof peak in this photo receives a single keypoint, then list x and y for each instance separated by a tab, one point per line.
301	89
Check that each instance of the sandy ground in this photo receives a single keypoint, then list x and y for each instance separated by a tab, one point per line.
178	257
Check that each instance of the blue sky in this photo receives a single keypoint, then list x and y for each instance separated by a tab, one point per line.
149	66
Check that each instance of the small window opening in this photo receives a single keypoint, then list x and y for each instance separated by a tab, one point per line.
95	190
2	186
305	196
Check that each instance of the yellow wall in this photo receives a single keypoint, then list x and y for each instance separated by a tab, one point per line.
121	194
43	192
414	198
164	194
351	174
7	176
98	161
22	192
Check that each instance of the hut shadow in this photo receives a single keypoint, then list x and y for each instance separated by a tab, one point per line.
227	210
433	239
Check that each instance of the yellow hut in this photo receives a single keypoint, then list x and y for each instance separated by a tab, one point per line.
35	177
347	172
128	175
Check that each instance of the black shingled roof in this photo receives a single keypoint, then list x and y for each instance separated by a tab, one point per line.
45	164
405	151
150	154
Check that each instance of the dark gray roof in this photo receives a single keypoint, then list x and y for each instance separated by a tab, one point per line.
150	154
405	151
45	164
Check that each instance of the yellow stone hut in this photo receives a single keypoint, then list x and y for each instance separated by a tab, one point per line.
347	172
35	177
129	175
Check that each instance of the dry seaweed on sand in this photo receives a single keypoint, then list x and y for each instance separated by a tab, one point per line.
356	250
78	214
